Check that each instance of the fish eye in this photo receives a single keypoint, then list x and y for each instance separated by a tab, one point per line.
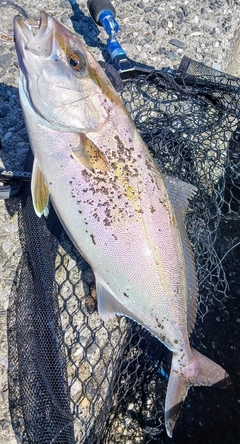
76	61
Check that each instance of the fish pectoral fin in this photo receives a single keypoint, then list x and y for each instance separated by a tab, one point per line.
108	306
40	192
90	155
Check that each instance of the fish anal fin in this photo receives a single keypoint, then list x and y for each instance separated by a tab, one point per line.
90	155
40	191
180	193
108	305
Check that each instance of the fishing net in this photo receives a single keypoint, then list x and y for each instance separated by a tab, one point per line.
76	379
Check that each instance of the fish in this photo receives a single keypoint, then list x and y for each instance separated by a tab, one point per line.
125	217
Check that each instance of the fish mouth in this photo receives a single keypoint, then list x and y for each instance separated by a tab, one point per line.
40	44
20	26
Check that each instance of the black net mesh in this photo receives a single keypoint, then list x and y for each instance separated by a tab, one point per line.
76	379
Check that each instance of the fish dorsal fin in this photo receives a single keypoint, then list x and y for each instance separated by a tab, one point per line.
90	155
108	305
40	192
180	193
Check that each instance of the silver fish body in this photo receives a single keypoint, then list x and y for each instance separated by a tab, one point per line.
125	218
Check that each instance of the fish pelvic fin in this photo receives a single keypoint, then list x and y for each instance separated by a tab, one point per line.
39	190
199	370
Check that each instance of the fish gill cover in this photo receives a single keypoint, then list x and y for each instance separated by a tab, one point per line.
76	379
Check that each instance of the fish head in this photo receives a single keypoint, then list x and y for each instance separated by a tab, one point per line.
59	78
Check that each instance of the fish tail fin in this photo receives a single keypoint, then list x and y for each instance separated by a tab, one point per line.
199	370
